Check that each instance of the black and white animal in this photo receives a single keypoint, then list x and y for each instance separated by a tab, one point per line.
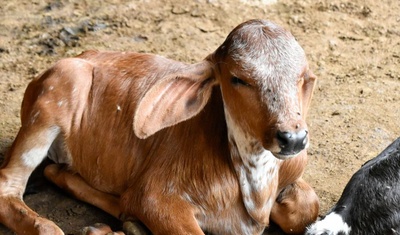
370	203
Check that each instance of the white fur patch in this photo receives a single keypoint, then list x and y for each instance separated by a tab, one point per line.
332	224
257	170
33	157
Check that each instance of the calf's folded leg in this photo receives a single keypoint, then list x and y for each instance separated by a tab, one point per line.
75	185
296	207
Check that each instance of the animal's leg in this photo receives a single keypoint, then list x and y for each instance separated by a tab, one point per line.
296	207
99	229
77	186
129	228
135	228
27	152
162	214
74	184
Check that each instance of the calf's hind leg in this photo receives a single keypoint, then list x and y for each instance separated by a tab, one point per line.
27	152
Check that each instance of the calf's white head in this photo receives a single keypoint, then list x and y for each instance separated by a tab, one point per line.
266	87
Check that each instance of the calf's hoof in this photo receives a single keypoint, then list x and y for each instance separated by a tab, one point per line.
135	228
99	229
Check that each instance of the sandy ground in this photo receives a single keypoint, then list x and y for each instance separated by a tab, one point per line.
352	46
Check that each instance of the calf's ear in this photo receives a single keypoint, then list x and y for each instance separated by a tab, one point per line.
173	99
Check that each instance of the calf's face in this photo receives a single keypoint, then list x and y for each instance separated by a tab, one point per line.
266	86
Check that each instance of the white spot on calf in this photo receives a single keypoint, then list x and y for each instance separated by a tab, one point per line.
332	224
34	117
62	102
34	156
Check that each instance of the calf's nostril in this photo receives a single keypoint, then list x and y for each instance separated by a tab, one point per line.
292	142
284	138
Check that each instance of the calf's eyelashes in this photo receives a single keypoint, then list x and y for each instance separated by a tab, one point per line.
237	81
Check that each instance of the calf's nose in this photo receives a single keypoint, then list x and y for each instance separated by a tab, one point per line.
292	142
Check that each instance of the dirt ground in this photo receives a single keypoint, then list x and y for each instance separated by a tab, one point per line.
353	47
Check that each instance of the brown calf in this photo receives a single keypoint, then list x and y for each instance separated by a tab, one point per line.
216	146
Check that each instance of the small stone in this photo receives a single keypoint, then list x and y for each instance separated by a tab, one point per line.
179	9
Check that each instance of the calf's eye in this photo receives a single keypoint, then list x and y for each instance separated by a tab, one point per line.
238	81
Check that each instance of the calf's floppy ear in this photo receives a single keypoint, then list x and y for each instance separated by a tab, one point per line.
173	99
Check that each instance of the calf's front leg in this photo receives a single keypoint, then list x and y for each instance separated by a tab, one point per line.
162	214
74	184
296	207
